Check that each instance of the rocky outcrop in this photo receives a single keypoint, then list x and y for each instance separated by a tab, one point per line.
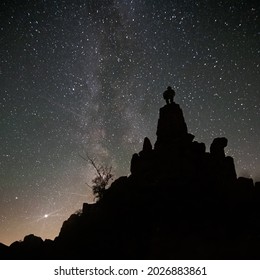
172	133
217	147
4	252
180	202
176	155
32	247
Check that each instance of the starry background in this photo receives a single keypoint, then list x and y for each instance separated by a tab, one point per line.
86	77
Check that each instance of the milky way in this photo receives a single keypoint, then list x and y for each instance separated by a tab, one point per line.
86	77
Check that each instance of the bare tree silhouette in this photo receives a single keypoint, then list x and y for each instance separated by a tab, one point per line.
101	180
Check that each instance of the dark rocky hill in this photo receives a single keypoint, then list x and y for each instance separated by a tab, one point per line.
180	202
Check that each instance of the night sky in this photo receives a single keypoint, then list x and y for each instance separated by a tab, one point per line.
86	77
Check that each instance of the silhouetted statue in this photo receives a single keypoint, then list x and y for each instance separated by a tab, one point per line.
168	95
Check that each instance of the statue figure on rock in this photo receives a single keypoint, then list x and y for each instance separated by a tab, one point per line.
168	95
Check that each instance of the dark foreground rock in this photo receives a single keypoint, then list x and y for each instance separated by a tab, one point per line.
180	202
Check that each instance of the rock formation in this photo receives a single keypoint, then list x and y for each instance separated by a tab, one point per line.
180	202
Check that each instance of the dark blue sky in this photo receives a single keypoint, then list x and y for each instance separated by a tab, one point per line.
87	77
